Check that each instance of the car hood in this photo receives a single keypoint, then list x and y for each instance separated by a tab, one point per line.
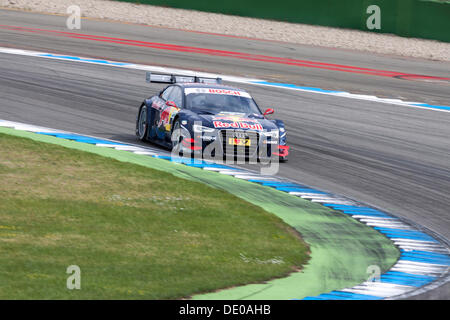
241	121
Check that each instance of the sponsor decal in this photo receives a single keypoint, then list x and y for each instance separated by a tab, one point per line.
217	91
165	117
237	125
206	138
225	125
251	126
157	105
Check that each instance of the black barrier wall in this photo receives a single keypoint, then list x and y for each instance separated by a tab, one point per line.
407	18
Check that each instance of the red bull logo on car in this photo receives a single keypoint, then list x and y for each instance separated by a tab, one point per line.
166	116
237	125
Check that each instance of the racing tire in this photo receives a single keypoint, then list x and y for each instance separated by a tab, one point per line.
142	125
176	137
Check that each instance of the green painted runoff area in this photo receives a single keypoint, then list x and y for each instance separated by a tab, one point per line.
341	248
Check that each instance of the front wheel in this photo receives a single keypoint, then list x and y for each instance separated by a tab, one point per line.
176	137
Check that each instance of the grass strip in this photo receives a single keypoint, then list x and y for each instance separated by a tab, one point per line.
135	232
341	248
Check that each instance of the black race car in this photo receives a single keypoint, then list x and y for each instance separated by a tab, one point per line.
200	116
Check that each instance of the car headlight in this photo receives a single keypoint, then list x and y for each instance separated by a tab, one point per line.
274	134
199	129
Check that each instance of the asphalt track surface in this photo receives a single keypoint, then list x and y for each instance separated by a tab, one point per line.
392	157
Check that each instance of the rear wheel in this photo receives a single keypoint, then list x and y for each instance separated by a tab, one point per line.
142	125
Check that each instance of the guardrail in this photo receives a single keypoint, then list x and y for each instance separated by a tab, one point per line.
407	18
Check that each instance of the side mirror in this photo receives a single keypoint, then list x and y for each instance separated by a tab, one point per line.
171	104
268	111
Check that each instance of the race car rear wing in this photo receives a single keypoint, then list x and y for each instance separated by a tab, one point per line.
171	78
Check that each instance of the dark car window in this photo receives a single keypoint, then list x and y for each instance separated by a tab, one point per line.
176	95
166	93
216	103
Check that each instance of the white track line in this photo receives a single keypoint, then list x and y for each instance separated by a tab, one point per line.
256	82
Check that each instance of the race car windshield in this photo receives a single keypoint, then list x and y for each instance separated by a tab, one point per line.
216	103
